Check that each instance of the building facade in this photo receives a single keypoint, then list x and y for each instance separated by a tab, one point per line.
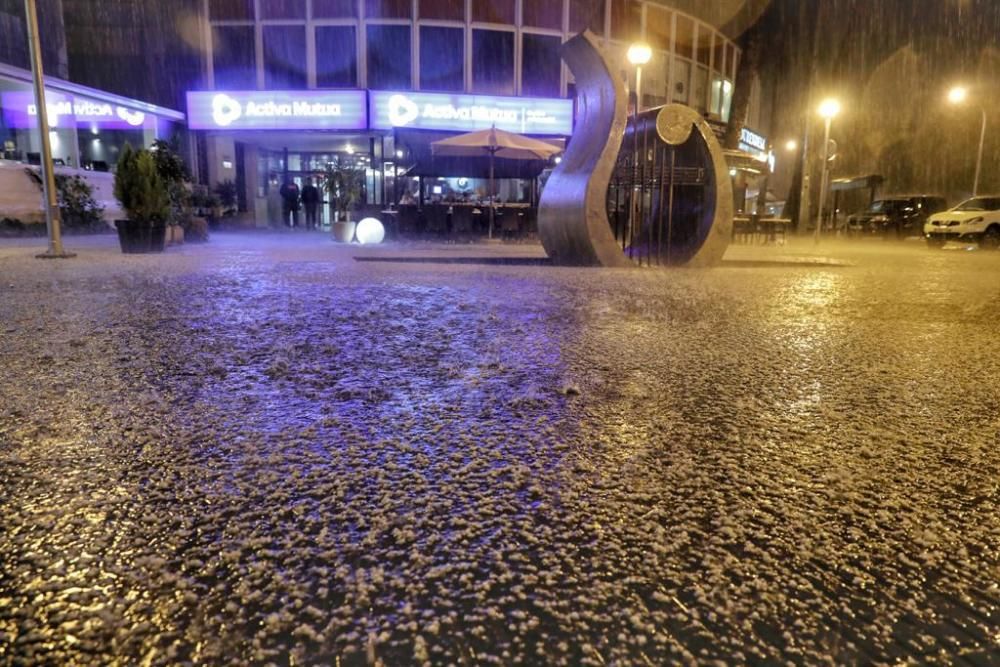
451	59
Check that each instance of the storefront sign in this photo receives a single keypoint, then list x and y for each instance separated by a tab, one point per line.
753	140
277	110
464	113
19	111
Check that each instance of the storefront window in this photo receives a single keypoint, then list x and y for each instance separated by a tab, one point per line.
389	9
336	57
704	44
682	79
542	15
699	89
284	56
231	10
658	26
283	9
493	61
442	58
233	57
443	10
388	56
335	9
722	97
493	11
684	37
585	14
541	65
626	16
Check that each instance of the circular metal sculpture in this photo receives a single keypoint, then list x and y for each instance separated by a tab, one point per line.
652	191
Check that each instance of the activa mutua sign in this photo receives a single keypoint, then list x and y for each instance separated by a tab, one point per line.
277	110
464	113
63	110
378	110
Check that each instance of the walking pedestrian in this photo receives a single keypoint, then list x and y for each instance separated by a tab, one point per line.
310	199
290	203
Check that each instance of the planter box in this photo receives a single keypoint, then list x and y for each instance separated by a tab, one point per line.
343	232
137	237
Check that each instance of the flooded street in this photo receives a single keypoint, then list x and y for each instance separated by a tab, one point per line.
261	450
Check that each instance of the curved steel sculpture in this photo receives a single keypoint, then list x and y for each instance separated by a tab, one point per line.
572	214
655	190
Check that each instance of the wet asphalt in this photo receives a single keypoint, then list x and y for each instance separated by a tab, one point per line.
263	451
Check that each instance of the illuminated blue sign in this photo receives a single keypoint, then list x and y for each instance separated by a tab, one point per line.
464	113
65	111
277	110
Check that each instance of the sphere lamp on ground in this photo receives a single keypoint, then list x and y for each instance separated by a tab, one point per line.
370	232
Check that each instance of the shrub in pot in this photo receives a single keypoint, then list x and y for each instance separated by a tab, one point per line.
174	172
345	187
143	195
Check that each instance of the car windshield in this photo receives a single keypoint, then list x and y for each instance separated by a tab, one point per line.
980	204
890	206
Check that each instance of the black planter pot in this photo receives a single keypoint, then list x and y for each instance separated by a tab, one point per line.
137	236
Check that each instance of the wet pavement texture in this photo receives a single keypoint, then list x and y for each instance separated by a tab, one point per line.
263	451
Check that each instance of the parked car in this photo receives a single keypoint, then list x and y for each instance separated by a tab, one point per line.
976	219
896	217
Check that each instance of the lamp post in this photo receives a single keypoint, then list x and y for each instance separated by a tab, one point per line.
958	95
52	221
638	54
828	109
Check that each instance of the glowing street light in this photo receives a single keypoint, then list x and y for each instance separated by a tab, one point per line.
828	109
639	54
791	145
958	95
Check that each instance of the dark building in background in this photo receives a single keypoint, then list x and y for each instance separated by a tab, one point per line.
146	49
14	36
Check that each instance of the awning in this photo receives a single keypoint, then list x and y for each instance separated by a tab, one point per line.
419	159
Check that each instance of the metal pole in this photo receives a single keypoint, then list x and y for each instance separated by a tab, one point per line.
822	183
492	206
52	221
804	192
635	160
979	157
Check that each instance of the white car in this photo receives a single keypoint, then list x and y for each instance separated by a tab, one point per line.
976	219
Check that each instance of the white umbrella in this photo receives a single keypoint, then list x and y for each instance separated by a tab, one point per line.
495	143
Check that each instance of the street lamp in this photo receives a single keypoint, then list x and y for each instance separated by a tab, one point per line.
958	95
828	109
791	145
638	54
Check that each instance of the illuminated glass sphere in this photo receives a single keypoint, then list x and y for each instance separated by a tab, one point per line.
370	231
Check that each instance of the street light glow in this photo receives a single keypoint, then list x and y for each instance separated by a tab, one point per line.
829	108
958	94
639	54
791	145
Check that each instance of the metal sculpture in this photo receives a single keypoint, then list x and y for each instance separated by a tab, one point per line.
653	191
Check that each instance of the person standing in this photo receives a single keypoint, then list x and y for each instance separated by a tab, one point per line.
310	199
290	203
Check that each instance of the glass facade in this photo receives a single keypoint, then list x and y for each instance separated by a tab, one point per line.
442	58
89	130
506	47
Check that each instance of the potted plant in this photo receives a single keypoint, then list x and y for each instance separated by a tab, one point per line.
140	190
345	187
175	175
